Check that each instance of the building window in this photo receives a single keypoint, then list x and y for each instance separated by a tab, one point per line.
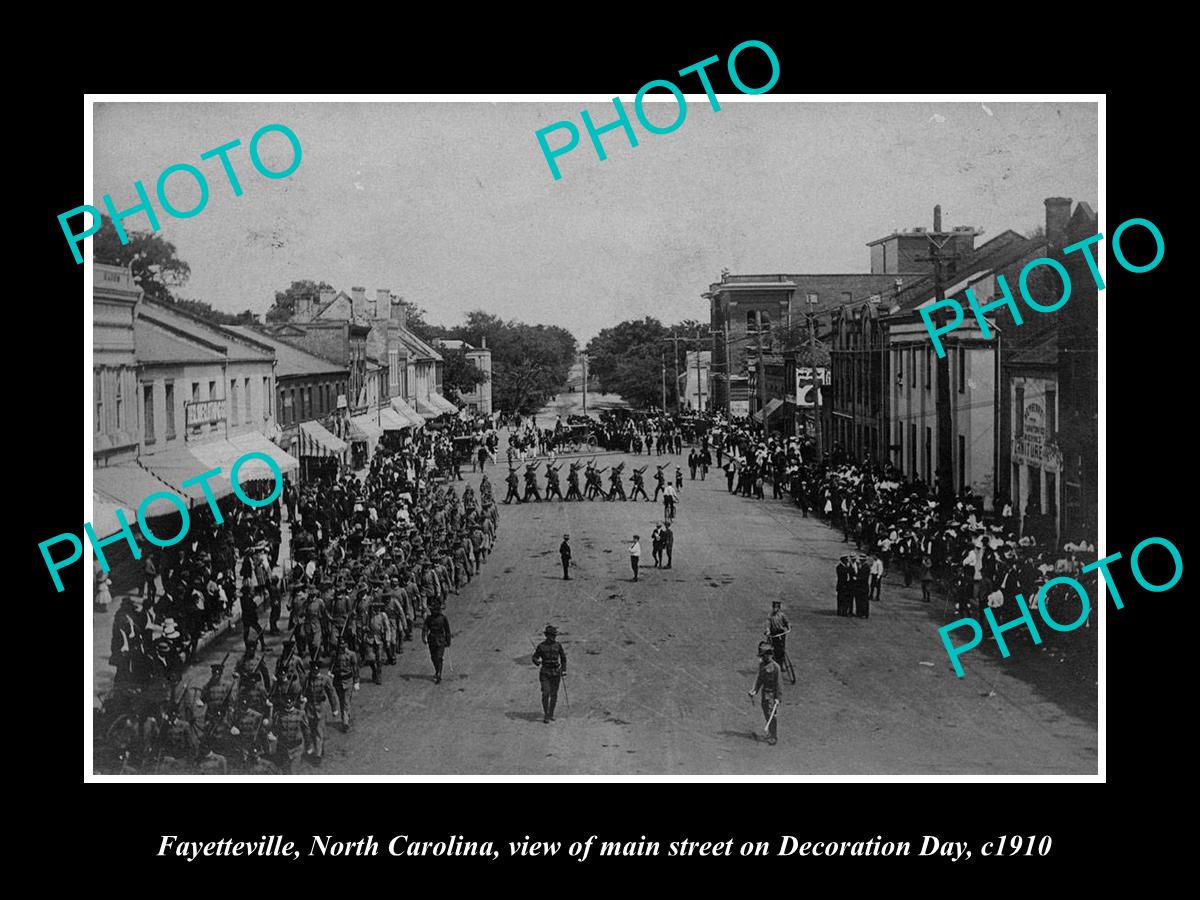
292	404
246	401
195	392
928	367
928	452
266	397
98	397
912	367
1051	420
962	370
962	462
233	401
212	390
120	401
170	409
148	411
912	449
1019	410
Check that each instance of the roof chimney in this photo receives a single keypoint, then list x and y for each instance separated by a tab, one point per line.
303	308
482	343
383	300
327	294
399	313
1058	214
358	308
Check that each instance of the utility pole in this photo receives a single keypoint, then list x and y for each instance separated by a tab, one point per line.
585	379
699	383
945	444
678	406
762	371
816	389
662	362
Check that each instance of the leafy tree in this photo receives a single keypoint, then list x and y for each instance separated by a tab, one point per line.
629	359
460	375
156	268
284	306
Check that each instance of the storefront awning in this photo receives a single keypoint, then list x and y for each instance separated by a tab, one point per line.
400	405
315	440
255	442
181	464
443	404
366	429
104	515
427	409
390	420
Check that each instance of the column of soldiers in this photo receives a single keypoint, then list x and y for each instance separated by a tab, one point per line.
593	482
379	563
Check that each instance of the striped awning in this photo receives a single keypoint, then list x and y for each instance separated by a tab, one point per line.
253	441
316	440
366	429
390	420
181	464
400	405
442	403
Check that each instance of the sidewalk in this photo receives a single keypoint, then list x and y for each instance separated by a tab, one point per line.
197	672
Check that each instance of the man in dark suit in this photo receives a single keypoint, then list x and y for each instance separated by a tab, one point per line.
845	580
564	553
668	540
862	589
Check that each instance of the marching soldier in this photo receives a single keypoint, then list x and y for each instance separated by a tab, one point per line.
252	668
768	684
215	694
394	609
639	485
313	628
552	488
345	680
573	483
552	659
617	488
531	481
512	481
289	731
319	698
436	634
376	636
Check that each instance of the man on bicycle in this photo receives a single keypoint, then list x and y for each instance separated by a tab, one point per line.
777	630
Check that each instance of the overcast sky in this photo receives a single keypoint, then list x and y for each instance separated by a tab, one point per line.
453	206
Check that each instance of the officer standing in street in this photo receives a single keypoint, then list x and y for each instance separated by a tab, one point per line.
436	634
768	683
549	654
564	552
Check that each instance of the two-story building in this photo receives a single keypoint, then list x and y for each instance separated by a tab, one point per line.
478	400
206	397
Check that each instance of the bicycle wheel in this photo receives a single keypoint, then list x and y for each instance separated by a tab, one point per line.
789	668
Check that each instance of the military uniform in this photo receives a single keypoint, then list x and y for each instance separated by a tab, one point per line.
573	483
512	481
436	634
345	681
777	629
289	728
321	696
768	684
552	659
